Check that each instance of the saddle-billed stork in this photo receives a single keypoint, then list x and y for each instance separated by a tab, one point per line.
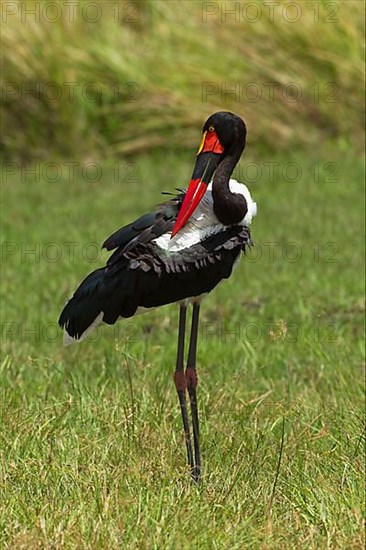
178	253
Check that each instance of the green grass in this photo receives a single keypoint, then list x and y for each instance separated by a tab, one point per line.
91	446
92	453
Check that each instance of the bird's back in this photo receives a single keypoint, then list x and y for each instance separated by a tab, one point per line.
146	270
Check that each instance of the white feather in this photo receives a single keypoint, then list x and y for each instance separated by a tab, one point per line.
204	222
68	340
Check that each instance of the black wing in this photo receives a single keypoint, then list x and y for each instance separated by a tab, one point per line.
140	273
147	227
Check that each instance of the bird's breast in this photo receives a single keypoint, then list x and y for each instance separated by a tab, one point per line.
204	223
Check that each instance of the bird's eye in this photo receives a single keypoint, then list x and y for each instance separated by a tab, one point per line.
211	129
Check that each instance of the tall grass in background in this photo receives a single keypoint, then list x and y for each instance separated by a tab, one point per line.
154	60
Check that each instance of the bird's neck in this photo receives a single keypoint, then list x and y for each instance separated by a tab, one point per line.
230	208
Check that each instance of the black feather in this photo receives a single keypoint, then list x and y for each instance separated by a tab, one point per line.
141	274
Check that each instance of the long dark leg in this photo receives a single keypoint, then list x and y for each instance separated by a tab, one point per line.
192	380
181	384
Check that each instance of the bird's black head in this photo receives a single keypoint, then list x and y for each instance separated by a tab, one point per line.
223	136
229	128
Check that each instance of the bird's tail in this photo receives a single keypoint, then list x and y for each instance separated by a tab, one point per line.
84	311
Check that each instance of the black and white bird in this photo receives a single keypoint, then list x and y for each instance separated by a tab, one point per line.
178	253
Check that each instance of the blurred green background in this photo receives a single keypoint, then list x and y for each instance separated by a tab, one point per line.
110	78
102	107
